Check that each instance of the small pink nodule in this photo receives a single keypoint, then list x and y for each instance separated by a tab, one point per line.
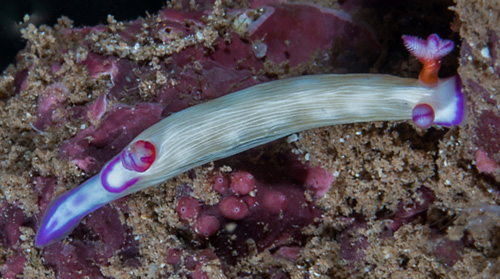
221	183
242	182
139	157
188	208
423	115
207	225
233	208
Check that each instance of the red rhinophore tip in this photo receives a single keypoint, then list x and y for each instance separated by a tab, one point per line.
423	115
429	52
139	157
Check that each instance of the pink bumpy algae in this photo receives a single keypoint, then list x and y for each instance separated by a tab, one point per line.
272	214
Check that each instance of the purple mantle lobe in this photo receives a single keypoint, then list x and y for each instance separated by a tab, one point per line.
48	234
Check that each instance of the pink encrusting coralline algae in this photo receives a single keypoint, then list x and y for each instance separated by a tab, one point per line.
158	118
251	209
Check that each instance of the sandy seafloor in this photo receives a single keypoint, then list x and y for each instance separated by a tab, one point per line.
447	179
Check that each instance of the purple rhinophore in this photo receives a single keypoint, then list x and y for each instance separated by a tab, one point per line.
423	115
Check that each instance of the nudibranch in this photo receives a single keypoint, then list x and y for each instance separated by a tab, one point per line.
239	121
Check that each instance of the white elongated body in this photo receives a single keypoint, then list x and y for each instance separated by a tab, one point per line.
265	112
239	121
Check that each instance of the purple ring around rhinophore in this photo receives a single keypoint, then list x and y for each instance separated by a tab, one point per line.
105	173
460	104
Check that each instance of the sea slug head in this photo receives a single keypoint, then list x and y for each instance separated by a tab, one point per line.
125	170
429	52
446	105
